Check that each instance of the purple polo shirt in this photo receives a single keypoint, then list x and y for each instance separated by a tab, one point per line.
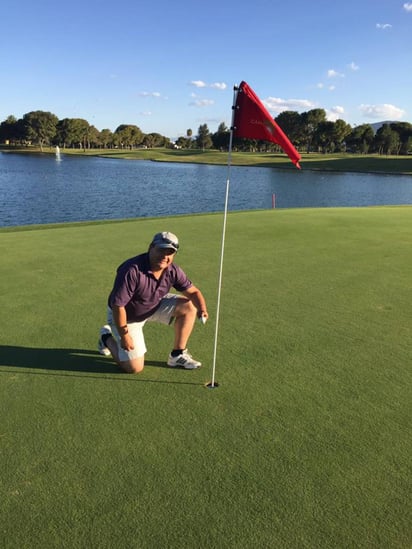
136	288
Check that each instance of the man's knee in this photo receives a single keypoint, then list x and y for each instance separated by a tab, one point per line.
134	366
184	307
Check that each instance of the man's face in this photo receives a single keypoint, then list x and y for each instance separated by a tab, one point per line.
160	258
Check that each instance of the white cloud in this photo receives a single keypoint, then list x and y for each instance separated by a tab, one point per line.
335	113
202	103
321	86
219	85
353	66
202	84
150	94
278	105
383	26
334	74
407	6
198	83
384	111
146	113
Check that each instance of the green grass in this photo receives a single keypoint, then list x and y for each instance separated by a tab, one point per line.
304	444
342	162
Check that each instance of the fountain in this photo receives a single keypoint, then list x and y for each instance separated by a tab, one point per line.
58	157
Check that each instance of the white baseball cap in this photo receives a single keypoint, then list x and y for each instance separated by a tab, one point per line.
166	240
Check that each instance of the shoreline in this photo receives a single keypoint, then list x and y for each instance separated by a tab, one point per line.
342	162
94	222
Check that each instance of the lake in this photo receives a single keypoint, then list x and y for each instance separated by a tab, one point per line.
38	189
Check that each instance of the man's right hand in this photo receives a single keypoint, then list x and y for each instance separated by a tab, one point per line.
126	342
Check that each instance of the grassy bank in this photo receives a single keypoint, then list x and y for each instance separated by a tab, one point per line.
322	162
306	442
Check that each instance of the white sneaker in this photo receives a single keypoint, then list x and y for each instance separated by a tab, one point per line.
103	350
184	360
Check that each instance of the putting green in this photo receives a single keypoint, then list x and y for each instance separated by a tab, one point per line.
306	441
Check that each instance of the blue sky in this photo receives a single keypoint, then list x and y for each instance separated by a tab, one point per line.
169	66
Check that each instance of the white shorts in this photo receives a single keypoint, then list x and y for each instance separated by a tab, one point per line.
164	315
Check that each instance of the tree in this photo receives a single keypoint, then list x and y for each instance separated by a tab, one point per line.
188	142
221	138
404	130
292	124
91	138
154	139
386	140
73	132
360	139
63	136
40	127
106	138
310	121
128	135
183	143
11	129
323	136
204	139
341	130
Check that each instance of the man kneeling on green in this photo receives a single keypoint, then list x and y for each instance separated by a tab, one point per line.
140	294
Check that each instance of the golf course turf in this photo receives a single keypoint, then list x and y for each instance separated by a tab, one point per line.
306	442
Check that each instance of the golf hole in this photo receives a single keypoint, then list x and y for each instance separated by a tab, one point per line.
212	386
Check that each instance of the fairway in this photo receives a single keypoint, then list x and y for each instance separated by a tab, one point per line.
306	443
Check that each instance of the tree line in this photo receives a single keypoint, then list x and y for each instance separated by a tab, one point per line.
309	132
45	129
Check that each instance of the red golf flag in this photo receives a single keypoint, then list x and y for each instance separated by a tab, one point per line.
253	121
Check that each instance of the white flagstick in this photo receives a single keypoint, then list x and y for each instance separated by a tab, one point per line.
212	384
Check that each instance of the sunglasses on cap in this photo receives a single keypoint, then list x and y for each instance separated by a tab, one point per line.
165	251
